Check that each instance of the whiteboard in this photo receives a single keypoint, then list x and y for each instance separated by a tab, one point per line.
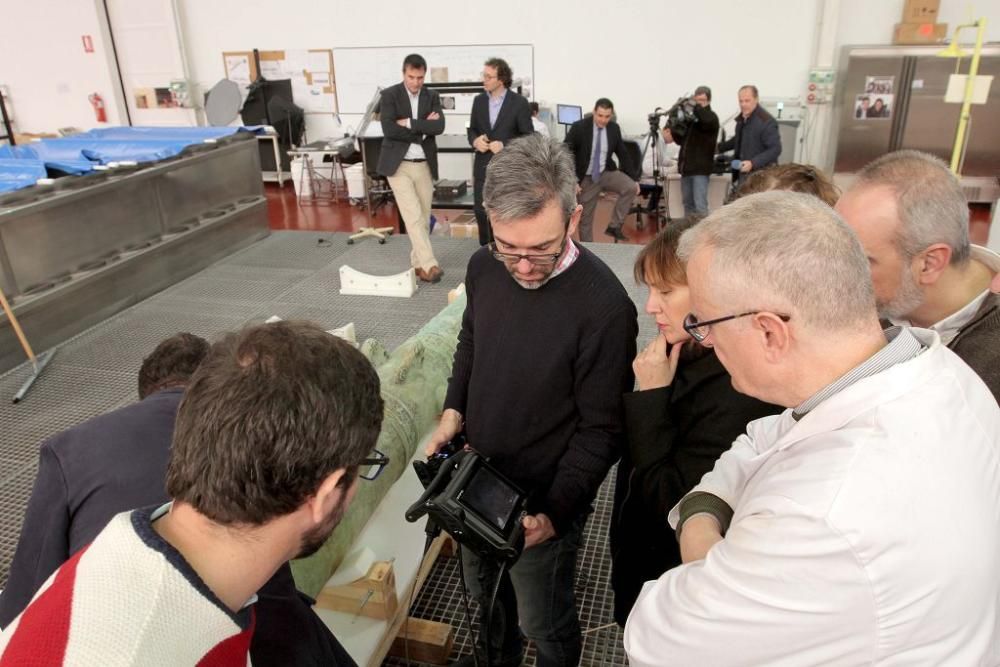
360	70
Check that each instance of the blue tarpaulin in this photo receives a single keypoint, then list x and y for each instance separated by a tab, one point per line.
19	173
79	153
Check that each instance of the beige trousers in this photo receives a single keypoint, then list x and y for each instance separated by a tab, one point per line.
413	189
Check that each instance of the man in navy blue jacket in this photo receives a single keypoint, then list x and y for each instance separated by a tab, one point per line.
757	142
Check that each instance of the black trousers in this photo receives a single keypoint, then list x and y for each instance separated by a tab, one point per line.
479	179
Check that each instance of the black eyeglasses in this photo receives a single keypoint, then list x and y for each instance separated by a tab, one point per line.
534	260
699	330
371	468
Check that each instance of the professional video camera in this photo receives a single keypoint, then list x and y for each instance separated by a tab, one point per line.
654	119
470	500
681	116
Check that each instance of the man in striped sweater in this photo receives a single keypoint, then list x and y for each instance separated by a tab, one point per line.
265	456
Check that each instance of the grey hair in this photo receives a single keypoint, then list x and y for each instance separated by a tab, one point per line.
787	253
526	175
929	201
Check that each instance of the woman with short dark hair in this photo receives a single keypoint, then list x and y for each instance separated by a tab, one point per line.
683	416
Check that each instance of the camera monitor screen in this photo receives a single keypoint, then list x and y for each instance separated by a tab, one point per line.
491	498
568	114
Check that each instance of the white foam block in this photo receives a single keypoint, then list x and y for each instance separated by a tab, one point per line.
354	282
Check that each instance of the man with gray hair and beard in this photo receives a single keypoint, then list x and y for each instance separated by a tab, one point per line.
860	526
544	356
912	218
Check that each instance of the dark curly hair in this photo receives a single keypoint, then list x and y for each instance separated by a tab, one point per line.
172	363
504	72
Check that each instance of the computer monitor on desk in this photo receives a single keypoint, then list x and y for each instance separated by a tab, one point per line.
567	114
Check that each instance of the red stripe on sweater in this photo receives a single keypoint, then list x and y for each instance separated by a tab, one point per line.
232	651
42	634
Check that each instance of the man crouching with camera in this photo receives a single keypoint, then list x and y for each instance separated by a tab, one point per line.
544	355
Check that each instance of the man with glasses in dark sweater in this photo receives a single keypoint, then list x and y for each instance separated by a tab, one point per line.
544	356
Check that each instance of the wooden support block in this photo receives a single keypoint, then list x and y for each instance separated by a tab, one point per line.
373	595
424	641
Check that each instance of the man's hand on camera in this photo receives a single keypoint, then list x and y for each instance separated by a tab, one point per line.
447	428
537	529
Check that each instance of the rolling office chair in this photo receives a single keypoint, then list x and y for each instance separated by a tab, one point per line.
377	190
634	171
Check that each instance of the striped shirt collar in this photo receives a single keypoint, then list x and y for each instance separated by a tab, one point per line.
570	256
902	346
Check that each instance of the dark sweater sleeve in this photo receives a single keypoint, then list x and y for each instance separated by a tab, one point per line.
603	373
648	429
44	542
716	415
461	367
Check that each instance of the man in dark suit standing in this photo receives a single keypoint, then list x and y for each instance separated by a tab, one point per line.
411	117
757	142
593	141
498	116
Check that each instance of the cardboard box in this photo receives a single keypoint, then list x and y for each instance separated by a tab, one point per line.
920	11
464	230
27	137
919	33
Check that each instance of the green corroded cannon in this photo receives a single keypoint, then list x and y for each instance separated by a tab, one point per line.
414	380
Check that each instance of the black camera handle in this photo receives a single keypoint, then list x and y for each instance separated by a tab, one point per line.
419	508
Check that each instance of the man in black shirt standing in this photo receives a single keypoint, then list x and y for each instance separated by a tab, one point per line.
697	156
543	357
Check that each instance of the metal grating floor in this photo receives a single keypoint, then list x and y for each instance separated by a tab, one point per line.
441	597
292	275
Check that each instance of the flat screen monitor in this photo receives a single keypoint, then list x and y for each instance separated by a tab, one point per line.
492	499
567	114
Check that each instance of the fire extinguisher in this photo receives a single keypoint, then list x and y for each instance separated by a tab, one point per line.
98	103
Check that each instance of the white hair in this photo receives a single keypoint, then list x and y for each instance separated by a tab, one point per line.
787	253
929	201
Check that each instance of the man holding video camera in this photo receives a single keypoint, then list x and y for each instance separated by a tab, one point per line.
697	156
543	358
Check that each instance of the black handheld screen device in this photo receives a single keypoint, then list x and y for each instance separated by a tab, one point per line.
474	503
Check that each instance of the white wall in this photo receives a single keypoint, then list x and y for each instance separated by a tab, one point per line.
43	64
648	52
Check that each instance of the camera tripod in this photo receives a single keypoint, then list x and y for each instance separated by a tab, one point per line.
651	142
